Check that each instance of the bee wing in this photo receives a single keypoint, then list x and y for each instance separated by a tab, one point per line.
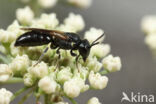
57	34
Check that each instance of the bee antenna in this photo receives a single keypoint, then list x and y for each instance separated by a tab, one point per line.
94	44
95	41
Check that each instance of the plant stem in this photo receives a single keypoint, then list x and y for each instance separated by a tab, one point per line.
71	99
19	92
26	96
12	80
104	72
45	99
4	58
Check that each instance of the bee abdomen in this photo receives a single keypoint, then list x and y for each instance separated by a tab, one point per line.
33	39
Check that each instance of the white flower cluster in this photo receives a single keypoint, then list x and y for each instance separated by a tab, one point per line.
94	100
52	3
64	80
5	72
42	3
149	27
81	3
5	96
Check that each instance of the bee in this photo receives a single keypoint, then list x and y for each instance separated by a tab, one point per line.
58	39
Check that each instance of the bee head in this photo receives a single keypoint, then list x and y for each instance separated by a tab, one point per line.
84	47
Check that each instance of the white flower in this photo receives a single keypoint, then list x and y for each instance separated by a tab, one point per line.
81	3
71	89
40	70
17	50
93	34
6	36
47	3
75	22
94	64
149	24
24	15
111	63
78	85
48	85
100	50
5	72
97	81
66	28
64	74
20	64
48	21
83	72
5	96
15	28
94	100
150	40
28	79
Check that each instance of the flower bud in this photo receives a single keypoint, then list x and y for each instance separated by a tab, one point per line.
47	3
43	21
64	74
111	63
93	34
94	64
81	3
100	50
78	85
75	21
5	72
149	24
20	64
15	51
15	28
6	36
25	15
97	81
40	70
94	100
29	79
5	96
71	89
150	40
48	85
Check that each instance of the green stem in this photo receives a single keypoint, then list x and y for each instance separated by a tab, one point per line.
12	80
104	72
71	99
45	99
4	59
19	92
26	97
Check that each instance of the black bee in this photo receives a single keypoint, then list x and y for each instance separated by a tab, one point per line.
58	39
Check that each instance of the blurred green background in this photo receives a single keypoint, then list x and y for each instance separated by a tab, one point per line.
121	21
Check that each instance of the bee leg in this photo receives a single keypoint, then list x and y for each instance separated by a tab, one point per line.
77	63
59	56
41	57
53	46
73	54
58	52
